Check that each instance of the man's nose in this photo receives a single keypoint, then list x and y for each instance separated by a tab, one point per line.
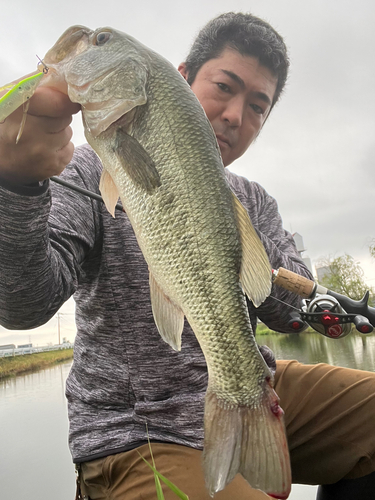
233	112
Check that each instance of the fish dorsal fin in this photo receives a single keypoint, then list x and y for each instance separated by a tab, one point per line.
255	273
109	191
168	316
137	163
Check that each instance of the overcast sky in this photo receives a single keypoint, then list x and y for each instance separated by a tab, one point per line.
316	154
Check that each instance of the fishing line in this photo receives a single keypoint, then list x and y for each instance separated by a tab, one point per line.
285	303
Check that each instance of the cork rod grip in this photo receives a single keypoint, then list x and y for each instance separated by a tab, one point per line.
293	282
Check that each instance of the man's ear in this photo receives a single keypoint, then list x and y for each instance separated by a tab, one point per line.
182	70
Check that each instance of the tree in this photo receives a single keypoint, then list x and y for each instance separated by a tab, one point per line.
345	276
372	249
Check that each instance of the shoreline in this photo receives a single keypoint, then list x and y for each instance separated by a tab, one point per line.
18	365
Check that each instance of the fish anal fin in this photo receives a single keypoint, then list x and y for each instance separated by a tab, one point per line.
256	272
137	163
169	318
109	191
248	440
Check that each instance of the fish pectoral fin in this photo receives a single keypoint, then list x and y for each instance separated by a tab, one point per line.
109	191
137	163
246	439
256	272
168	317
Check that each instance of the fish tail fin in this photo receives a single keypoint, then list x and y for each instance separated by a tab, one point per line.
251	441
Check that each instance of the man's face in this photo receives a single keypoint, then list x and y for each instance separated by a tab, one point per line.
236	93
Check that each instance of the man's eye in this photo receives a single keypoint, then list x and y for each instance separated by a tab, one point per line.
257	109
224	87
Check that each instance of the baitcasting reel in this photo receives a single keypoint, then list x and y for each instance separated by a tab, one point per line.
329	313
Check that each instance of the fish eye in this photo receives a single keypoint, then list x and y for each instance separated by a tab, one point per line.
102	38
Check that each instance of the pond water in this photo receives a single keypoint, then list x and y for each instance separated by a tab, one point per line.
354	351
35	462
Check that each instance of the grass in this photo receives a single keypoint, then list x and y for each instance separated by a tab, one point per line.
262	329
158	477
15	365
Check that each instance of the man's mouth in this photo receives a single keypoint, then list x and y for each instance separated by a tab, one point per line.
222	140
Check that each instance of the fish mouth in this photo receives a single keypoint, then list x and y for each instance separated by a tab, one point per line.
81	88
53	79
72	41
84	87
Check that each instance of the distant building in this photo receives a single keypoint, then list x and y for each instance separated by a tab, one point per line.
301	248
298	240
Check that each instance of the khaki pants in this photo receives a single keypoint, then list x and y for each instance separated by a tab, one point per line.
330	423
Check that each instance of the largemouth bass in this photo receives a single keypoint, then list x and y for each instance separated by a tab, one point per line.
160	155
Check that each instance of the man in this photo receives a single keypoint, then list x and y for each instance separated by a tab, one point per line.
124	376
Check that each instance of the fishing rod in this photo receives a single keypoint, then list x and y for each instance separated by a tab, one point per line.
328	312
83	191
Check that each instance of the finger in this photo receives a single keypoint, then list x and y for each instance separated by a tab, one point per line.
49	125
65	154
62	154
51	156
45	138
36	130
52	103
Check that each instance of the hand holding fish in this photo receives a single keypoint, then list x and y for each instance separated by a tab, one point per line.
44	148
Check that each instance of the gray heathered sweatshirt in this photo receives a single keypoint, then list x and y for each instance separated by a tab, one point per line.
124	375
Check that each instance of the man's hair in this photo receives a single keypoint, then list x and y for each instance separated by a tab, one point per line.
245	33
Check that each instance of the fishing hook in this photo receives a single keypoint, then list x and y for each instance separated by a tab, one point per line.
45	68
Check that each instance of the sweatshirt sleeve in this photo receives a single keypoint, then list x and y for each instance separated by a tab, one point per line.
282	252
45	234
280	247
